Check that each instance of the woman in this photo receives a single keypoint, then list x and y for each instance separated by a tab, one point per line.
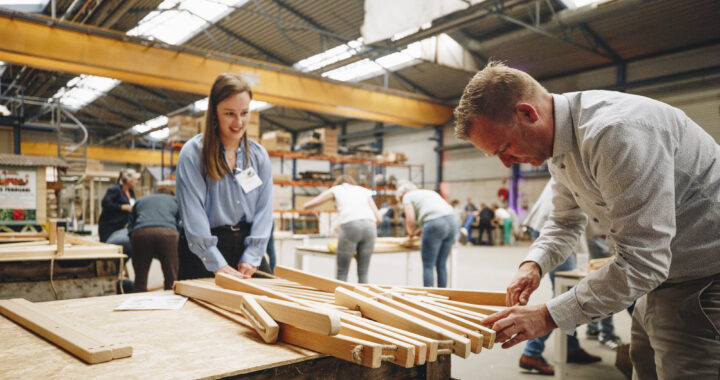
224	190
427	209
358	220
117	203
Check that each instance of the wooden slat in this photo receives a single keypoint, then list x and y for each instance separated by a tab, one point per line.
60	246
394	317
420	348
356	350
476	338
319	282
402	352
311	319
78	344
260	320
477	297
471	307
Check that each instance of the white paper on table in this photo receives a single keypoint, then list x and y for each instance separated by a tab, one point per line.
148	302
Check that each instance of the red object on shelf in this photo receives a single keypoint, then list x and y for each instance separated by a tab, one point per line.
503	193
18	214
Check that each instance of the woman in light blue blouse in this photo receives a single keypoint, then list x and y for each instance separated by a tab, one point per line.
224	189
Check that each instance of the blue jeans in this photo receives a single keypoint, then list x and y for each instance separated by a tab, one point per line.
536	346
438	236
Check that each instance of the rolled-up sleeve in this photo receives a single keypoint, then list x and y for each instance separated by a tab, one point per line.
560	232
256	242
634	167
191	193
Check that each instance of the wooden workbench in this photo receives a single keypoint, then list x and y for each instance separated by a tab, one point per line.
190	343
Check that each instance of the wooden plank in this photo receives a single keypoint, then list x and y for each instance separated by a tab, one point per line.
322	322
53	232
319	282
477	297
394	317
394	351
476	338
464	313
356	350
77	240
433	345
261	322
419	347
78	344
60	246
488	334
471	307
119	350
233	283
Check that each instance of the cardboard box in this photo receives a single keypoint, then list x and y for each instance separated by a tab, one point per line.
276	141
183	127
326	137
300	201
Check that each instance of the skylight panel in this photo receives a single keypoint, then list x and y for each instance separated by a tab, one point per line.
329	56
366	68
30	6
84	89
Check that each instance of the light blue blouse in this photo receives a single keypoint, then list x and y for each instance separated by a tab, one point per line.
206	204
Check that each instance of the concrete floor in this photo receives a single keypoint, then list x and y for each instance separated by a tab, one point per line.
489	268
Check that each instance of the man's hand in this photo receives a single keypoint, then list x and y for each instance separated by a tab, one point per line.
526	280
227	269
519	323
246	269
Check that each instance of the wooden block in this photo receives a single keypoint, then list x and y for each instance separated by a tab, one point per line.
363	352
53	232
318	282
394	317
432	344
76	343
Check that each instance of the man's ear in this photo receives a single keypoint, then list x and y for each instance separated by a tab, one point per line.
526	112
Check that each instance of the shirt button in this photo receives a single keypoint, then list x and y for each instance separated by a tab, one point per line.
189	244
562	166
612	231
576	194
204	258
596	220
237	201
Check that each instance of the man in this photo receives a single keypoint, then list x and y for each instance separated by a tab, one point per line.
486	217
153	226
646	175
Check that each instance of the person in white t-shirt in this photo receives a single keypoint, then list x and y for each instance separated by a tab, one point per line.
359	217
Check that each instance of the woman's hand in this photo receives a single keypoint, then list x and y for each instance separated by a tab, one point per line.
126	207
246	269
227	269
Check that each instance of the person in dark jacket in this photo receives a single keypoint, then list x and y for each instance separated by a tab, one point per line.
486	217
117	203
153	228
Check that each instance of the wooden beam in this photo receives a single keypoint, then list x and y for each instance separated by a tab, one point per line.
419	347
394	317
53	232
60	246
469	306
394	350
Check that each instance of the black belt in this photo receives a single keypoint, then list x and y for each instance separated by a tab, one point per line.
229	228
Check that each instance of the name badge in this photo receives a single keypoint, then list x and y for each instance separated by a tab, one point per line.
249	179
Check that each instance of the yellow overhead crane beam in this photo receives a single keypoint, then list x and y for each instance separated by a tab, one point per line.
104	153
61	46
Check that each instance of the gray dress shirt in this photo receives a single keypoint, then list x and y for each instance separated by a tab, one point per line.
646	175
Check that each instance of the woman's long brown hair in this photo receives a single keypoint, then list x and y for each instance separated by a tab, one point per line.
226	85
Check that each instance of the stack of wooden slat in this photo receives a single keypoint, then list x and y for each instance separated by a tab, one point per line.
401	325
57	244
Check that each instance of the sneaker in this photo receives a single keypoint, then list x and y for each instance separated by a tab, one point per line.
536	363
582	357
611	342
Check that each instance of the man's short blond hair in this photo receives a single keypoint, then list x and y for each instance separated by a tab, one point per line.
493	93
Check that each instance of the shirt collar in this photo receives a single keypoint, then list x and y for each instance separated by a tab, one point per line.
562	140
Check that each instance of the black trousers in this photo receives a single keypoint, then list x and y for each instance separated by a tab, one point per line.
231	244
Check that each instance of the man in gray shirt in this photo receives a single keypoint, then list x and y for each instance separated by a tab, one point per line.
153	228
644	174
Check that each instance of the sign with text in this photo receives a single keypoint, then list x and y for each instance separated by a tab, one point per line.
18	195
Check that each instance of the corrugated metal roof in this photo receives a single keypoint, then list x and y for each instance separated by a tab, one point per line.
24	160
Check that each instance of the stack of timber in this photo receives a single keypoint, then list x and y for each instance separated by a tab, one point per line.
83	342
57	244
363	324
